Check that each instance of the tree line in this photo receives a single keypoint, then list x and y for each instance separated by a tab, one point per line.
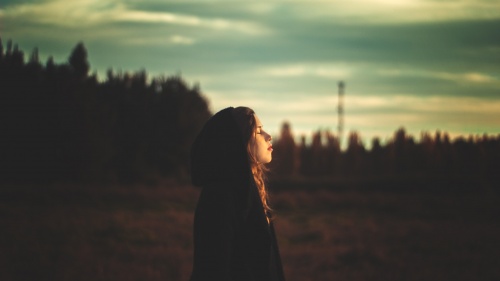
60	123
431	155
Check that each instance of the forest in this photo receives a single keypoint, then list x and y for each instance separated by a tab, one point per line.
61	123
401	157
94	185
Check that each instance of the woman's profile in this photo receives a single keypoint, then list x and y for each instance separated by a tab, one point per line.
234	237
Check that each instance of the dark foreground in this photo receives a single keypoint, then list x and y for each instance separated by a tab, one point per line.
61	232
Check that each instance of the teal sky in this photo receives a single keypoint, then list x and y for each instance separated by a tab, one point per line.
423	65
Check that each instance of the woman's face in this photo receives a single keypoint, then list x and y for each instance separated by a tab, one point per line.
261	144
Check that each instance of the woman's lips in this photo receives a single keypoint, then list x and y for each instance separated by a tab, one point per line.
270	148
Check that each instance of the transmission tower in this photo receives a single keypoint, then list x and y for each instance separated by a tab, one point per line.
340	110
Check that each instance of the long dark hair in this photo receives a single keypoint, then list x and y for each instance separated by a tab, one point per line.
245	117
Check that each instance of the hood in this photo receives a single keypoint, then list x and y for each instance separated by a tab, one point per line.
218	153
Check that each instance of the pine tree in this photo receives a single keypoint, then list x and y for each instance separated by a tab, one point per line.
78	61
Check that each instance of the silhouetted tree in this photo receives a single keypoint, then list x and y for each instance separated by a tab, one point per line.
317	154
8	52
78	61
305	158
1	50
376	163
399	151
332	155
354	156
284	155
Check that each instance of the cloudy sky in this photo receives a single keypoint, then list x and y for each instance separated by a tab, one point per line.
423	65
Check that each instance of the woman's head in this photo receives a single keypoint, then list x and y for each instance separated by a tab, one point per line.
258	141
231	147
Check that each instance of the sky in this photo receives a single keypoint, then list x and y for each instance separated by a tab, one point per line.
422	65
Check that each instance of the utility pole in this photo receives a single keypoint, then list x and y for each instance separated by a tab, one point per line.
340	111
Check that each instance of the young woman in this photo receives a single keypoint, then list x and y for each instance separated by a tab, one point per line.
234	237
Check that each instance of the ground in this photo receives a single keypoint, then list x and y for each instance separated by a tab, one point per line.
356	232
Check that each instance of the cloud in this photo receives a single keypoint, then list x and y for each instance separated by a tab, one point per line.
158	41
223	99
473	77
424	105
394	11
331	70
248	28
372	104
84	13
59	12
478	77
467	77
260	8
177	39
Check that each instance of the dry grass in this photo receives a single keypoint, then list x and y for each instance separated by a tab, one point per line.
145	233
388	236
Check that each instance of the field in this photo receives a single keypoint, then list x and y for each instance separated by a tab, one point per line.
326	231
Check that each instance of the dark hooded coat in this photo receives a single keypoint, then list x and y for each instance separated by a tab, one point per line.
232	238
